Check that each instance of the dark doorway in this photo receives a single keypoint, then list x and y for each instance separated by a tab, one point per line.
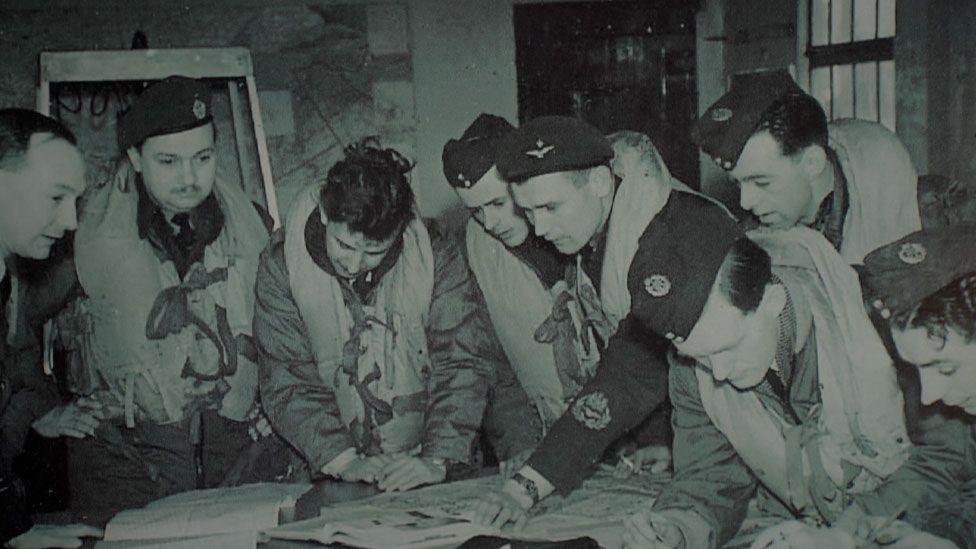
617	65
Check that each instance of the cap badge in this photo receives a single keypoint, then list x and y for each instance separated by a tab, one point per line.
593	411
912	253
721	114
542	150
199	109
657	285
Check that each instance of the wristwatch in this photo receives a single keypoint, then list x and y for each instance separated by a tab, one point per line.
529	485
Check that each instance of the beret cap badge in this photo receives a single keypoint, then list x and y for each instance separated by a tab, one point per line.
657	285
542	149
912	253
721	114
199	109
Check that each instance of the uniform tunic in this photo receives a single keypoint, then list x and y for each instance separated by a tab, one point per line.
632	375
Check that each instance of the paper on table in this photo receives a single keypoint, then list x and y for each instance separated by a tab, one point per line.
249	508
236	540
376	527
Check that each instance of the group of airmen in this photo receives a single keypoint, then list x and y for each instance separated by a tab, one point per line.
594	310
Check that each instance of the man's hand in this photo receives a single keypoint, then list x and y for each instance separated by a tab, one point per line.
649	530
657	459
508	467
54	535
77	419
499	507
409	472
364	469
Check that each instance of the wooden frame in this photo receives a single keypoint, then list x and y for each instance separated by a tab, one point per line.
122	65
127	65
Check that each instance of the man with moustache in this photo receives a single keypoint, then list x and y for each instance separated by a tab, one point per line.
42	174
166	255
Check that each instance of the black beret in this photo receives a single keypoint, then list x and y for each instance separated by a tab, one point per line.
724	128
172	105
551	144
901	274
467	159
678	259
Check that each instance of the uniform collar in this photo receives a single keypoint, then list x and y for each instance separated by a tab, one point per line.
315	244
207	220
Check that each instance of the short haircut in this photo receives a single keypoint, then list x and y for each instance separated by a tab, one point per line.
368	190
17	126
951	307
744	274
581	176
795	121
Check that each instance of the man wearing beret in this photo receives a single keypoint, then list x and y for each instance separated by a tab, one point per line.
548	319
923	287
779	383
515	272
851	180
376	355
166	256
595	202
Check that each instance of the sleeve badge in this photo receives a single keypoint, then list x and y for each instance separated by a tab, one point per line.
912	253
721	114
593	411
657	285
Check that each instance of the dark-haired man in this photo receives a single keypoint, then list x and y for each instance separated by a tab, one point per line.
851	180
167	339
371	332
42	173
779	383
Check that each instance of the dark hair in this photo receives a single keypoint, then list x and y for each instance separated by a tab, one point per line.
795	121
951	307
744	274
17	126
368	190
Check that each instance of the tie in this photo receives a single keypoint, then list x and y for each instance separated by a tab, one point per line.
185	235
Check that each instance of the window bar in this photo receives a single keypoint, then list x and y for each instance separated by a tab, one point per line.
877	63
830	40
853	2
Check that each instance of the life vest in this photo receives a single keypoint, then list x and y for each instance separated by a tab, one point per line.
374	357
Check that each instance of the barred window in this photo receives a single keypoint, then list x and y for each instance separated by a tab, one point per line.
850	49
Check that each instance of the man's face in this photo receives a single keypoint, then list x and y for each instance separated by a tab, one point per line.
350	252
946	367
39	196
565	213
491	205
740	347
774	187
178	168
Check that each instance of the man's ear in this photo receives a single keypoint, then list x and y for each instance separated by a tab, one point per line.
135	157
601	181
813	160
774	300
